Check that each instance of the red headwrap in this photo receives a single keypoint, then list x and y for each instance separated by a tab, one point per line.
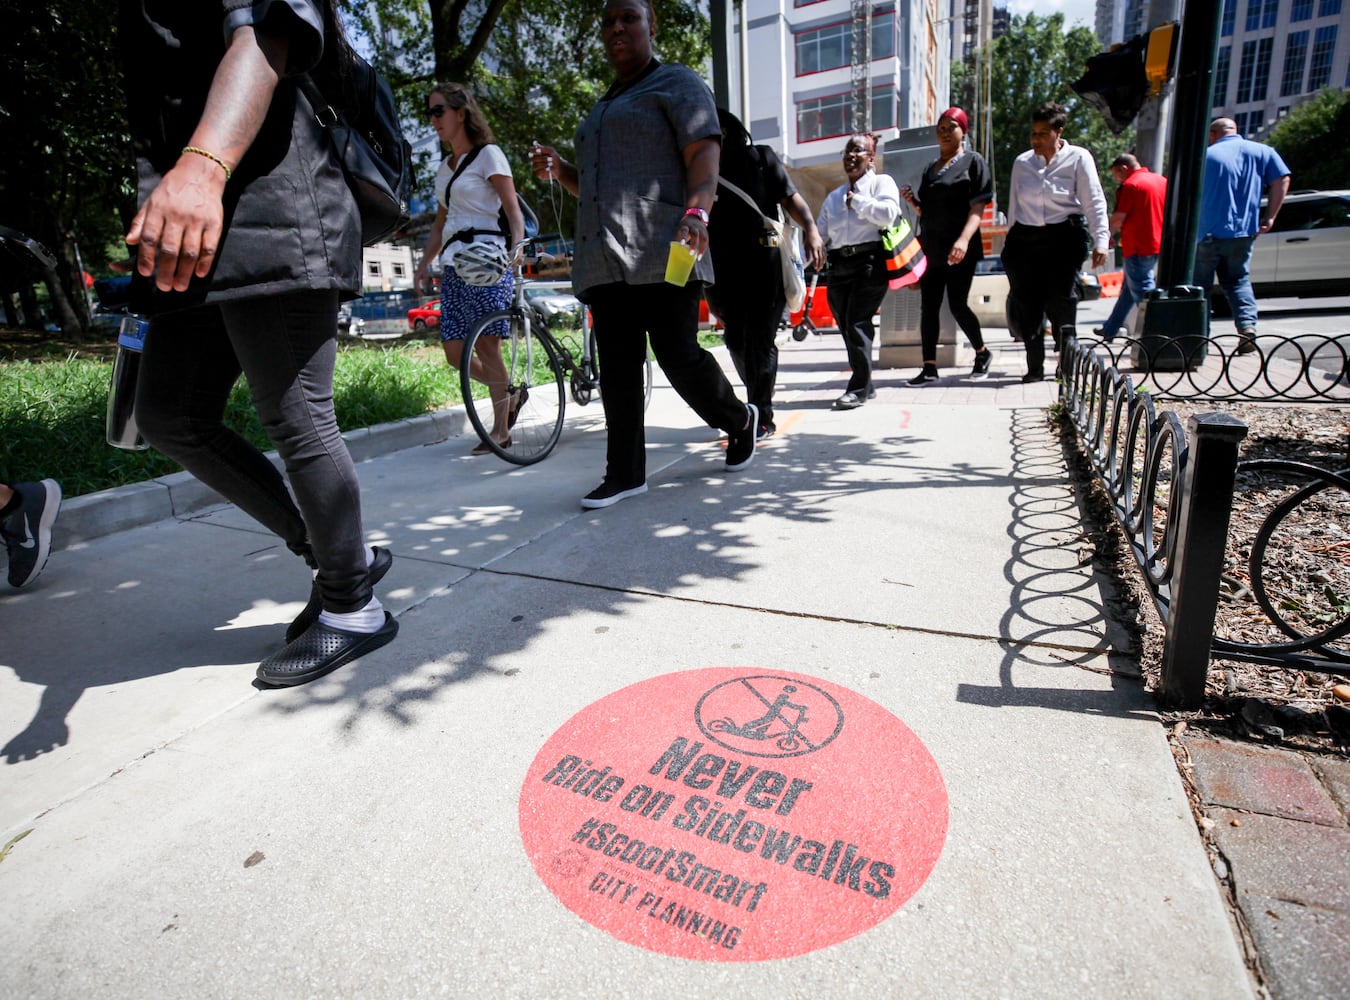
958	116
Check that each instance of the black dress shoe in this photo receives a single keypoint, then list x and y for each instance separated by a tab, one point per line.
1033	377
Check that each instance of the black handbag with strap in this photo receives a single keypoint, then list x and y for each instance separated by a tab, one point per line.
368	139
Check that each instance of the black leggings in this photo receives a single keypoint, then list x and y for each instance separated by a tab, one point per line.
286	346
953	280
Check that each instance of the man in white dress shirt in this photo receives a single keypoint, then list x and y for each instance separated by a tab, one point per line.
1056	215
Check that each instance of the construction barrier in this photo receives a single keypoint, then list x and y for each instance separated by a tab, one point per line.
1110	282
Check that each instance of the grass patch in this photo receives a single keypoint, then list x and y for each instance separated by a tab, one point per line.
52	412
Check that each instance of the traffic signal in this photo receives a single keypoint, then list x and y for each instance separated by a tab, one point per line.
1115	83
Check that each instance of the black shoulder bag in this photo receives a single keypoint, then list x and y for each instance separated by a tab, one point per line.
369	143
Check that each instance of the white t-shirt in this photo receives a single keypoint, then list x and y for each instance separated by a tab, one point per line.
473	200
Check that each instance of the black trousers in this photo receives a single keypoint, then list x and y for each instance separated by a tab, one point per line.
954	281
625	317
750	305
1042	263
285	345
857	286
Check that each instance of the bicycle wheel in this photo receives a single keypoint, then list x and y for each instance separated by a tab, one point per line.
529	386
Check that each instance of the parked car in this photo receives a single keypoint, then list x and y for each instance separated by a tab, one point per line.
552	305
425	315
1306	253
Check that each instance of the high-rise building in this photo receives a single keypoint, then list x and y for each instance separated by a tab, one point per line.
1273	54
803	74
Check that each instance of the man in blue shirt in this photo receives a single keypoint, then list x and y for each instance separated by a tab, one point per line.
1237	172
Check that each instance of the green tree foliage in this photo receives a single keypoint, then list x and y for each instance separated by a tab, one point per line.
65	171
1314	141
1034	63
537	66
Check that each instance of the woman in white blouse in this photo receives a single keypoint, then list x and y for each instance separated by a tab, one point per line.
850	225
1056	215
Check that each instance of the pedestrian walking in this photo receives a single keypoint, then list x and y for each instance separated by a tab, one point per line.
952	195
1237	173
749	296
645	177
473	184
246	239
1138	221
850	224
1056	216
27	512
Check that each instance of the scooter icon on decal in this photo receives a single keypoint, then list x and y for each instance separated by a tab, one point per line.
787	737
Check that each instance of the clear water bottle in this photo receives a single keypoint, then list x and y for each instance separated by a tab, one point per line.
122	429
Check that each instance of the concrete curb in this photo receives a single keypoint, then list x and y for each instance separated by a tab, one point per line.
181	495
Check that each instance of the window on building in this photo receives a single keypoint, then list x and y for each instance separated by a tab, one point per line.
1265	49
1246	70
372	269
830	117
1255	120
1295	59
832	46
399	270
1229	17
1324	47
1328	8
1301	10
1221	68
1262	13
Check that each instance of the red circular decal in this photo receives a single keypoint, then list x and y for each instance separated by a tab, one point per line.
733	814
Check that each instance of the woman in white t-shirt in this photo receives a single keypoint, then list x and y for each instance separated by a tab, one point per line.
473	184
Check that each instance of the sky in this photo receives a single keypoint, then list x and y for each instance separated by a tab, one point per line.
1076	12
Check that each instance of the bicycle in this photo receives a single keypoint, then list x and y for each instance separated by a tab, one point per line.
541	369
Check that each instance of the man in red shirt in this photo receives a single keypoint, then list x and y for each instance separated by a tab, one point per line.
1138	220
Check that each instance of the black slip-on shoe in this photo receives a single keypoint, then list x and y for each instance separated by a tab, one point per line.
741	443
321	649
378	567
607	494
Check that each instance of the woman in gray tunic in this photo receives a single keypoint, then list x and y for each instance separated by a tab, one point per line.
646	174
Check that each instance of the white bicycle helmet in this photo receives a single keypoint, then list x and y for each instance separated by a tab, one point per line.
480	263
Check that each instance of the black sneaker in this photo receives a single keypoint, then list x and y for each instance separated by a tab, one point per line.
766	430
607	494
1033	377
741	443
928	373
28	531
982	359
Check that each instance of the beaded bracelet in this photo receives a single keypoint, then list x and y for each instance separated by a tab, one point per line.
212	157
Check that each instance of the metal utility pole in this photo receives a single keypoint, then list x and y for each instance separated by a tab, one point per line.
1189	137
861	118
1150	136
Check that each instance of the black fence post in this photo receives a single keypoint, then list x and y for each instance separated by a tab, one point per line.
1202	537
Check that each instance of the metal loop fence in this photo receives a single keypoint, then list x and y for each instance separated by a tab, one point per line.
1303	368
1172	487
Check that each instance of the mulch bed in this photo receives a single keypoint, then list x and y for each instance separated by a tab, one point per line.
1305	571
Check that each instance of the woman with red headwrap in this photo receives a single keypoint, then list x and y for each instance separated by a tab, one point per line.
952	195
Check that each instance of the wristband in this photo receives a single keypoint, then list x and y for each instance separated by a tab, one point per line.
702	215
212	157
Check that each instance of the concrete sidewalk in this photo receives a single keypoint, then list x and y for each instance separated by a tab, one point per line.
918	563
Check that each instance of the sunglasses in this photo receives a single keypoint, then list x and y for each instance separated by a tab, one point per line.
436	110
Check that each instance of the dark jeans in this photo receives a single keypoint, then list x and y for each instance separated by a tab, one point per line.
285	345
625	317
857	286
1042	263
954	280
750	317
